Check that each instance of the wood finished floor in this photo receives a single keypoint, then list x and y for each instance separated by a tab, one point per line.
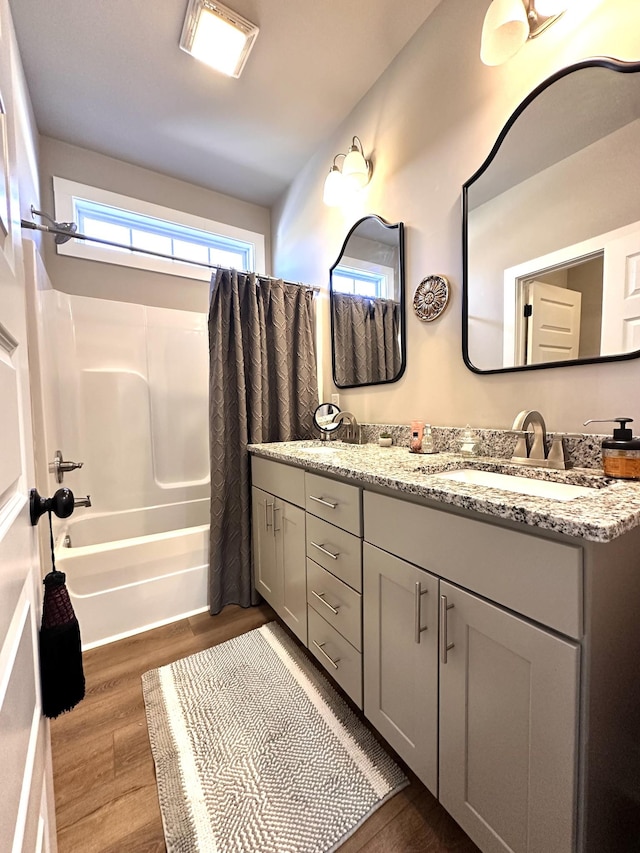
105	790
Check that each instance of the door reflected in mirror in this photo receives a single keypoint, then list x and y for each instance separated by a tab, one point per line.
552	227
367	305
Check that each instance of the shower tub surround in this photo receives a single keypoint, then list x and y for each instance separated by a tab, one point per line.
126	392
611	510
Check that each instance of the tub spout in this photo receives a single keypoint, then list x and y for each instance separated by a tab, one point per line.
82	501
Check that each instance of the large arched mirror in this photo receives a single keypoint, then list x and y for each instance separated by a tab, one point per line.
551	227
367	305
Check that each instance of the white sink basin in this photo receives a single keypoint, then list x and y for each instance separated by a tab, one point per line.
521	485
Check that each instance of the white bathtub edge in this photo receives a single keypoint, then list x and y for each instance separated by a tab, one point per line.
143	628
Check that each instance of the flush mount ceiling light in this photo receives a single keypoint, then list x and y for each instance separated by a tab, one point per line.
355	174
218	36
509	23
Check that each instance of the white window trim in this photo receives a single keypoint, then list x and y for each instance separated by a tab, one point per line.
64	192
388	273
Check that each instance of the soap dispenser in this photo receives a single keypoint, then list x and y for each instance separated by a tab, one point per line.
621	453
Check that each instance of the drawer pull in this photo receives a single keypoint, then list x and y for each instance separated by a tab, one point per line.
445	645
319	647
322	501
320	596
324	550
418	615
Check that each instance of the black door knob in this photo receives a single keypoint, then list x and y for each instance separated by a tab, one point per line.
61	504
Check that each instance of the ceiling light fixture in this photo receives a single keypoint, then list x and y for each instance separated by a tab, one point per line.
217	36
508	24
355	174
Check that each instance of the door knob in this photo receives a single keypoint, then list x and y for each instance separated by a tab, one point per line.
61	504
60	466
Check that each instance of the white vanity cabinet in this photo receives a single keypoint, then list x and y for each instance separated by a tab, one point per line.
483	704
278	528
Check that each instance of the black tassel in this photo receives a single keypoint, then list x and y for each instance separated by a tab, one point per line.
61	672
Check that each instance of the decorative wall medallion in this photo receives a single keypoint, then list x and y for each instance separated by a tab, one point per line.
431	297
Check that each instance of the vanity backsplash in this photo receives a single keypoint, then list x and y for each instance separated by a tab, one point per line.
583	450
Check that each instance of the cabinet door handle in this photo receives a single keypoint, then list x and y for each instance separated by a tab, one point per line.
322	501
324	550
319	647
445	645
275	510
418	615
320	596
268	505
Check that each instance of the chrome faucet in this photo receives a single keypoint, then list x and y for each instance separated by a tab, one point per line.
533	450
352	432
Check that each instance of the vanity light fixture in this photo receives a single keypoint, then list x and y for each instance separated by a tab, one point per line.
217	36
508	24
355	174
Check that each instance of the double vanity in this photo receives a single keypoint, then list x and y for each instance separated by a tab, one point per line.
483	617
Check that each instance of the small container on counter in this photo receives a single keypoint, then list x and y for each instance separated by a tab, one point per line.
417	430
621	452
468	442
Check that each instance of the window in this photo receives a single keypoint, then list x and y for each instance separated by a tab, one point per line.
362	278
131	222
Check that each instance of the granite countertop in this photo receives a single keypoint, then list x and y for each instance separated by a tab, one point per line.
611	510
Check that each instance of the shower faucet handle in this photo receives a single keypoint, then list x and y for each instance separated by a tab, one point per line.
60	466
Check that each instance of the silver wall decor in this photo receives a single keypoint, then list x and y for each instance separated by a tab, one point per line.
431	297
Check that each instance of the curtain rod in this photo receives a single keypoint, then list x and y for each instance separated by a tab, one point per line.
77	235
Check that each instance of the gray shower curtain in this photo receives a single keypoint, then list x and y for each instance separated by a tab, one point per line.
262	387
365	339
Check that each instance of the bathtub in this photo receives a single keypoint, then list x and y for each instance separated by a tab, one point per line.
131	571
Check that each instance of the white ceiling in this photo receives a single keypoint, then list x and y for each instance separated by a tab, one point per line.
108	75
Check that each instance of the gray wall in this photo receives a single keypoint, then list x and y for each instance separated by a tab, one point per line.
106	281
428	124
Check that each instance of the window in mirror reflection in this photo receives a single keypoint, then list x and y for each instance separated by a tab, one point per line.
359	278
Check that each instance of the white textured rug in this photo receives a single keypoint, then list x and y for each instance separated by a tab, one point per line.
255	751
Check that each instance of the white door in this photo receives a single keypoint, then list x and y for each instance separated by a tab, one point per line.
26	803
621	296
553	329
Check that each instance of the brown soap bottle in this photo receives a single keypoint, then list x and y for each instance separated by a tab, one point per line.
621	453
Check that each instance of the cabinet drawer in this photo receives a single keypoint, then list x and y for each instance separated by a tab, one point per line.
536	577
326	643
285	481
335	550
336	502
327	594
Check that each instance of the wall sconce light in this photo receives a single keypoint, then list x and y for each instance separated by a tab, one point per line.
509	23
218	36
355	174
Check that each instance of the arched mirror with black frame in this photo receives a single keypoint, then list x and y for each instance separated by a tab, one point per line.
551	227
368	335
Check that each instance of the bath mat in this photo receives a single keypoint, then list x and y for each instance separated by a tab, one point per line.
255	751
